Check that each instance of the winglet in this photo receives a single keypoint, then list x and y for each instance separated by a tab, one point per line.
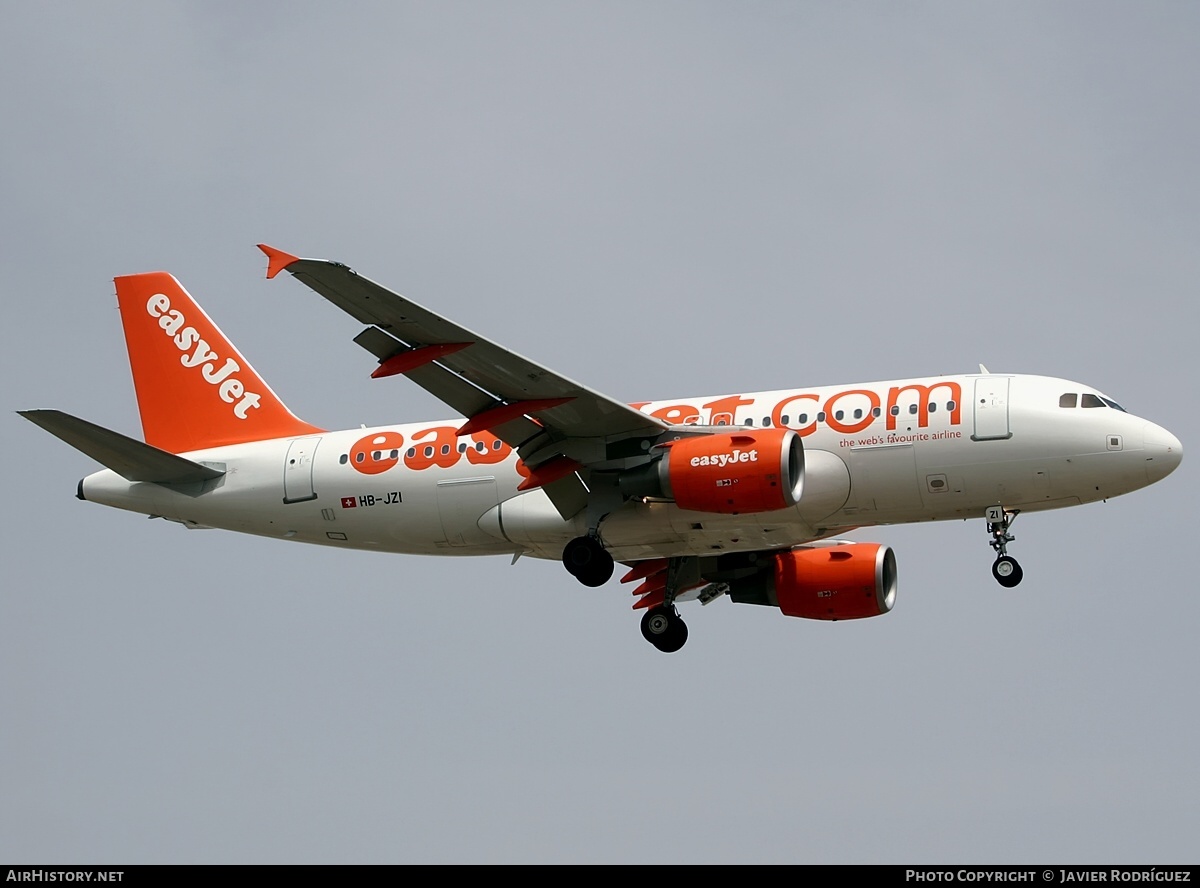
277	260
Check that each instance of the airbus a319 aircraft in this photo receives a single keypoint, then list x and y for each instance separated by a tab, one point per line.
742	495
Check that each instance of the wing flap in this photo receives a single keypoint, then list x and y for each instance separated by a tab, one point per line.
131	459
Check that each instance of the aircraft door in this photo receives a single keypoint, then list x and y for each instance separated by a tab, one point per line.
298	470
991	409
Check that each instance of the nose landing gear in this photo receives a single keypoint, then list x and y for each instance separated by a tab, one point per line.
1005	569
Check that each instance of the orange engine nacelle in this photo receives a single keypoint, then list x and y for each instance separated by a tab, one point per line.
750	471
843	582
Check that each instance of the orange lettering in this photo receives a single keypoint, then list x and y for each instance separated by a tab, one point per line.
725	408
777	415
441	450
678	414
373	454
847	428
923	393
491	453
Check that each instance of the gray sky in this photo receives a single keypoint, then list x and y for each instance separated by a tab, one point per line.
657	199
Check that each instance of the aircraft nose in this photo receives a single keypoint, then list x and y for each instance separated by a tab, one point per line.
1163	452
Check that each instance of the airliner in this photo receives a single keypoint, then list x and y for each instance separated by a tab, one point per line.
745	496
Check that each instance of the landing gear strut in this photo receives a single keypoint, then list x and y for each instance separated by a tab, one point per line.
662	627
1005	569
588	561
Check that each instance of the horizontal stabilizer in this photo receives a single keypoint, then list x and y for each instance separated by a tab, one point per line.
129	458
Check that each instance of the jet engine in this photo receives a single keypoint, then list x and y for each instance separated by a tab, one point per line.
844	581
732	473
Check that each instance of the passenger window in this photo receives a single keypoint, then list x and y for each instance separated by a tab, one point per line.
766	421
932	407
803	419
821	416
412	451
749	421
784	419
950	406
343	459
838	415
895	411
912	408
428	450
875	411
1090	400
1068	399
858	413
445	449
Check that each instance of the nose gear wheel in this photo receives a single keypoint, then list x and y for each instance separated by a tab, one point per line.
1005	569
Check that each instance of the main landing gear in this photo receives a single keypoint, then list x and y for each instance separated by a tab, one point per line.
588	561
662	627
661	624
1005	569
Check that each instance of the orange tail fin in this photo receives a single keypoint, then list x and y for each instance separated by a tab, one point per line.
194	389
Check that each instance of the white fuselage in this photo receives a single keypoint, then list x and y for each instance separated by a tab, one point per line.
875	453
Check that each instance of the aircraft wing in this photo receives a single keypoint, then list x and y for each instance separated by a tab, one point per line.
544	415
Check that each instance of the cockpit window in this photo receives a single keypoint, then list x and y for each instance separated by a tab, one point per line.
1073	399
